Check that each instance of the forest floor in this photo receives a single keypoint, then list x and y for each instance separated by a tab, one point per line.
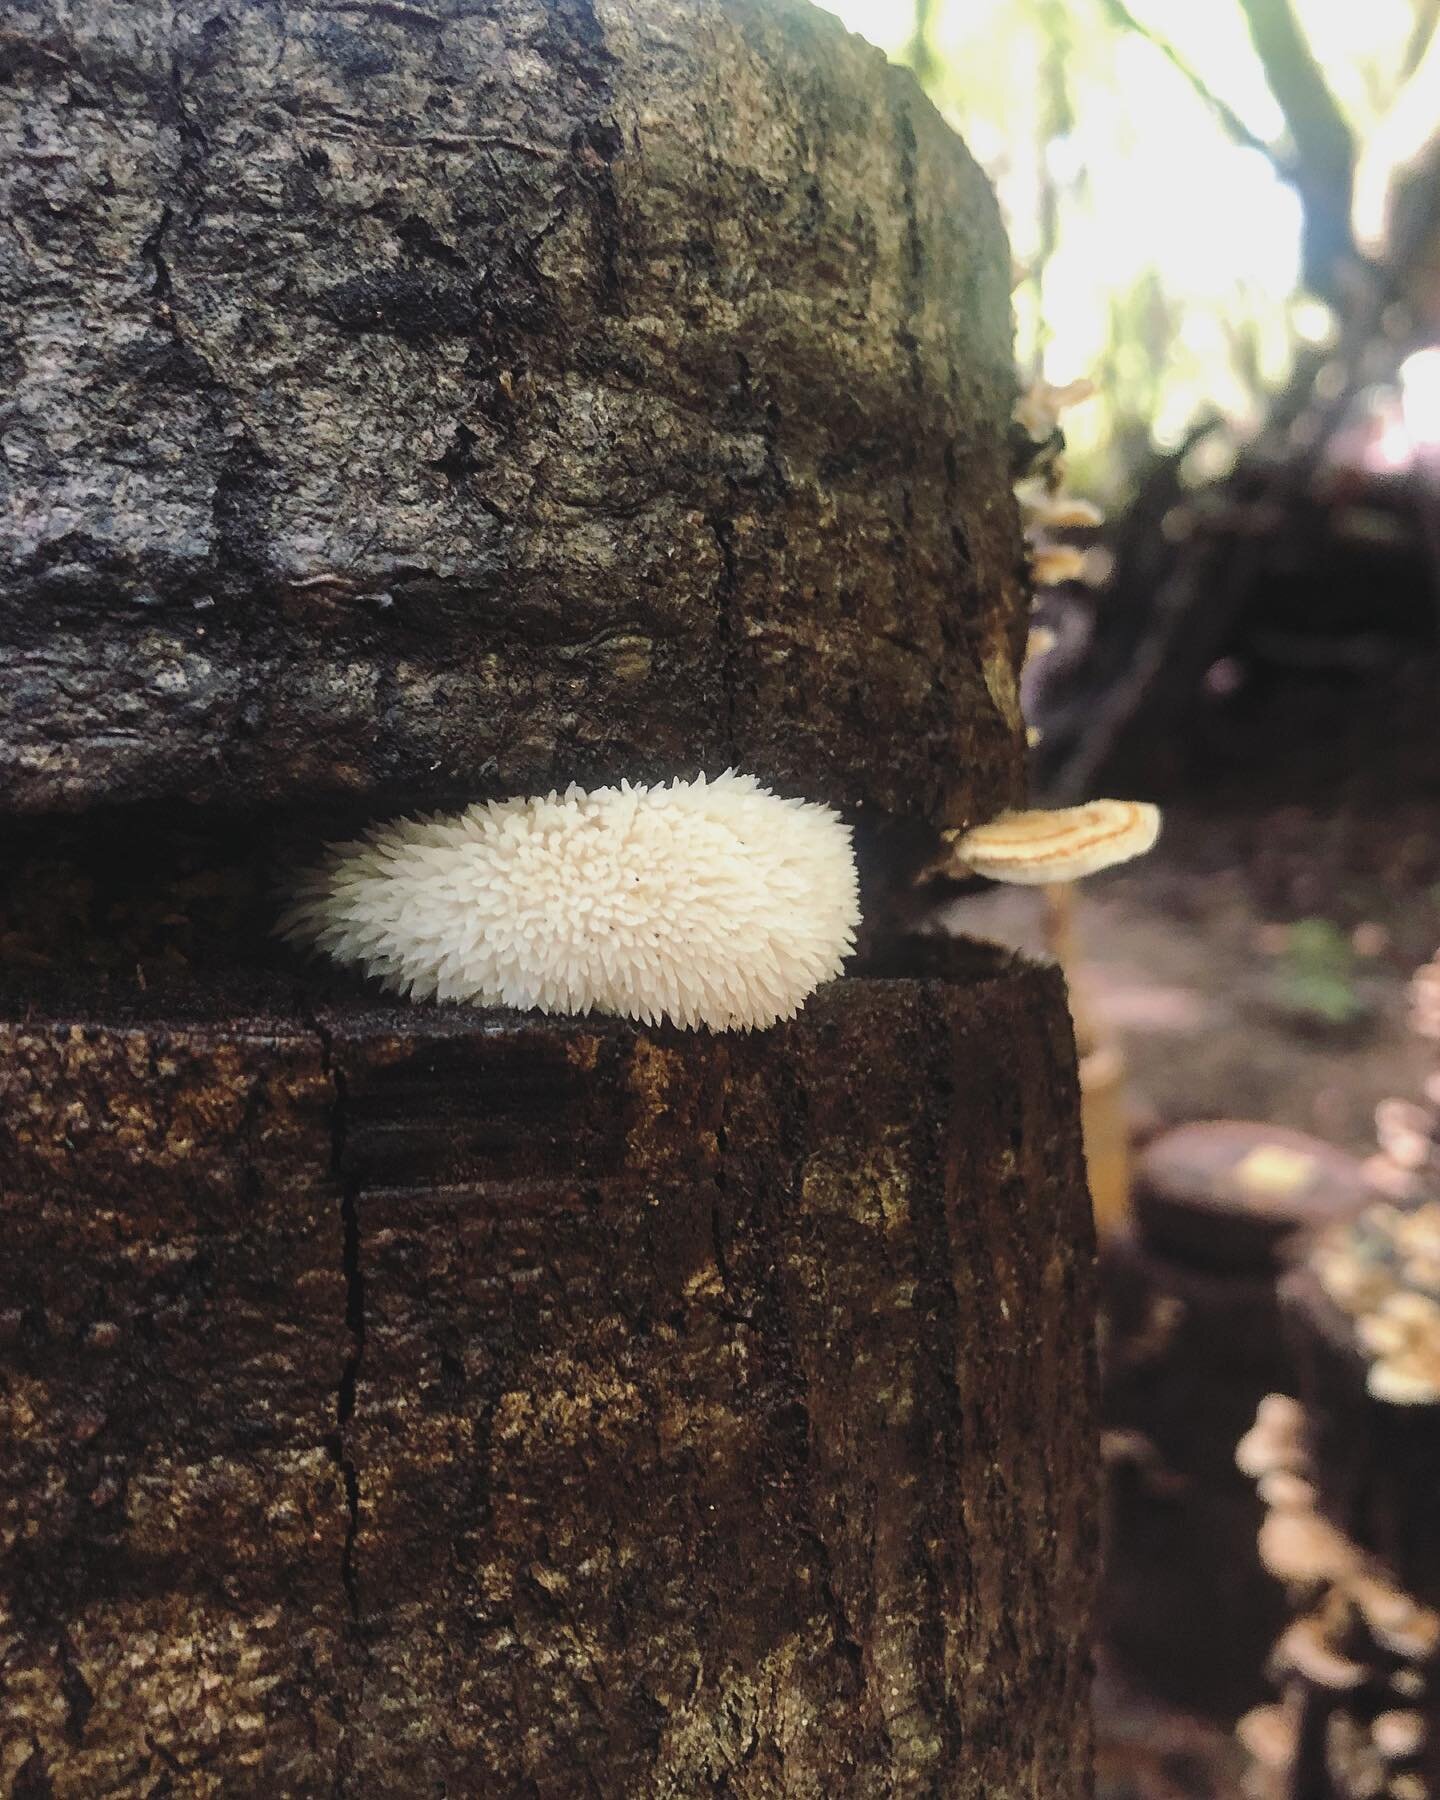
1248	968
1254	966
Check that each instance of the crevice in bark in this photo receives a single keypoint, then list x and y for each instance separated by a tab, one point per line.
165	1756
718	1221
596	147
721	1204
194	147
79	1700
348	1383
932	1229
409	18
345	1411
32	1778
914	265
765	421
354	1313
848	1642
723	529
152	251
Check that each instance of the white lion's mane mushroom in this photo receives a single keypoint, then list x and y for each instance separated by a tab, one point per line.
1038	848
703	902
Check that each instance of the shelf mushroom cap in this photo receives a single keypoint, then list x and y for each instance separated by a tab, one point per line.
1038	410
1037	848
1275	1443
1305	1550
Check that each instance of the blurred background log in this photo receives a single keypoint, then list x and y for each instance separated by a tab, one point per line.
1193	1341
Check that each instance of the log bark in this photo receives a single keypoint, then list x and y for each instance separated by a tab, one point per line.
407	401
407	404
408	1401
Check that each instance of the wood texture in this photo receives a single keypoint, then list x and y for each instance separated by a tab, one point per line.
407	404
410	402
411	1401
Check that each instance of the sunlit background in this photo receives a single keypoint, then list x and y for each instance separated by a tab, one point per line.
1225	215
1158	254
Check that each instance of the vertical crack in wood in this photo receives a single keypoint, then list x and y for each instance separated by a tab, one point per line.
350	1374
723	528
720	1216
345	1398
931	1202
79	1700
355	1325
912	284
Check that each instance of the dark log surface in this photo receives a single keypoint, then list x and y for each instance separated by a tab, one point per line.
1189	1351
1193	1342
413	1401
410	402
1376	1466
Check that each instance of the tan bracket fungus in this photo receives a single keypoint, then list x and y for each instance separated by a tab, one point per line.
1041	848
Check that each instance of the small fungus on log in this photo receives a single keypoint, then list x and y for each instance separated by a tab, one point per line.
1037	848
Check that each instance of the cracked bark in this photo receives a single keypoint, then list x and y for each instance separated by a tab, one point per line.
375	388
694	1424
405	404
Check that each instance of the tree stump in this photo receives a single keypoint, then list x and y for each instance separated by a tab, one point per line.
408	404
1350	1484
444	1400
1194	1341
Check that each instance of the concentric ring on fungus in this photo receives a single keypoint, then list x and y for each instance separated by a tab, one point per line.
1039	847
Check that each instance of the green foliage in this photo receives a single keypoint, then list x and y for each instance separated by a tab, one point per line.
1317	976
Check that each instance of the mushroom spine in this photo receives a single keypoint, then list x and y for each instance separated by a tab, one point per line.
704	902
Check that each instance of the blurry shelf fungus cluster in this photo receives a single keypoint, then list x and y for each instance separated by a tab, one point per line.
1349	1472
1356	1664
1045	847
1383	1271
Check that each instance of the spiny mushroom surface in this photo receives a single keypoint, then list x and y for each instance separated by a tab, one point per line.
705	902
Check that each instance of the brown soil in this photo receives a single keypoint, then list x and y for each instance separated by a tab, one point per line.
1190	959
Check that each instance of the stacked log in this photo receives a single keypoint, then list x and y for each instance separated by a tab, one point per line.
1193	1341
407	405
